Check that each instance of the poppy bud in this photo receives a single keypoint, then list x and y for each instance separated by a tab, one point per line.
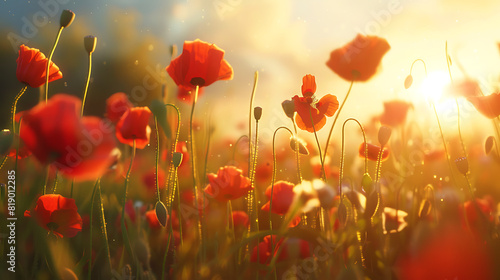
90	42
302	145
384	133
289	108
257	112
488	145
6	139
462	165
367	183
67	18
161	213
408	81
177	159
425	209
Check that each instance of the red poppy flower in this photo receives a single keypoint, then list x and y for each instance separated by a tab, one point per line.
462	88
116	105
240	219
373	151
228	184
449	254
359	59
80	148
282	197
32	65
57	214
395	112
185	94
489	105
291	248
476	221
200	64
149	179
134	125
307	108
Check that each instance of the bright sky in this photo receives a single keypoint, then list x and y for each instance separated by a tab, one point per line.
285	40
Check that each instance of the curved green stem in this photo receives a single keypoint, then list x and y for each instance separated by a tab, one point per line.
47	73
103	224
418	59
87	83
14	107
336	118
341	171
297	153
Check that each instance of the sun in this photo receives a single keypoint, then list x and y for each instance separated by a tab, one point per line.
433	85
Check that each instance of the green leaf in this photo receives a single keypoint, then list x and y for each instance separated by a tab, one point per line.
160	111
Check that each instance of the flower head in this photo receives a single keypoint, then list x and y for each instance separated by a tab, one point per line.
488	105
395	112
134	125
80	148
311	114
31	67
373	151
116	105
359	59
282	197
227	184
57	214
200	64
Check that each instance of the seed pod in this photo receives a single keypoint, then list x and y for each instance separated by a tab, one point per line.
342	214
302	145
90	42
66	18
161	213
367	183
257	112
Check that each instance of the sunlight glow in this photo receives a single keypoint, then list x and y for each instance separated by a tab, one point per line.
432	86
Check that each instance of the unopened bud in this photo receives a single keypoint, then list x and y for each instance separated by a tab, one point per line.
488	145
67	18
161	213
294	142
408	81
177	159
289	108
384	133
90	42
462	165
257	113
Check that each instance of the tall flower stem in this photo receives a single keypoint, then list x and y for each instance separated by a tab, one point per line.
297	153
336	118
14	107
157	157
255	213
444	143
47	73
193	164
124	201
319	146
92	198
102	219
379	163
87	83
